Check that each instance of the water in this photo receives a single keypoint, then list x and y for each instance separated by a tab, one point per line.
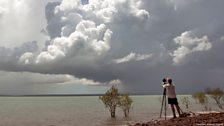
77	111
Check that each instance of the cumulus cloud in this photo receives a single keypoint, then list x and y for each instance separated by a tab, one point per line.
189	44
63	18
132	57
11	55
82	37
79	33
87	40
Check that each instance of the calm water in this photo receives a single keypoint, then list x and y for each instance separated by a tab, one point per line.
77	111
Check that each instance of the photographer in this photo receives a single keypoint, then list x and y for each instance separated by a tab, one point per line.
172	99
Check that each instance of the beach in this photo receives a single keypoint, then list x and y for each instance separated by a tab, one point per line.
208	119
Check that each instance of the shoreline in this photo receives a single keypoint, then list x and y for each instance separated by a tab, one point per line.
200	119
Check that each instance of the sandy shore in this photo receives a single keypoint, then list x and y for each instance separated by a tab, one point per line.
210	119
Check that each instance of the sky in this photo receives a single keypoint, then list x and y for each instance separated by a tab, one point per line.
75	47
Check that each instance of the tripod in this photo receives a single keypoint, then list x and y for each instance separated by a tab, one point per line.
163	101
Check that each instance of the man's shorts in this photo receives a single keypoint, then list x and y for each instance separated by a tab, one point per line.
172	101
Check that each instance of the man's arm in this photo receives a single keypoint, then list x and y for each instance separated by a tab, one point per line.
164	85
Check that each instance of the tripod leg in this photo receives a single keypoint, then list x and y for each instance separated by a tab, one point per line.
165	106
161	107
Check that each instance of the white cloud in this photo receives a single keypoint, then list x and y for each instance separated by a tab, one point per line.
85	81
69	13
27	58
189	44
114	82
85	29
222	38
87	40
132	57
71	21
104	10
21	21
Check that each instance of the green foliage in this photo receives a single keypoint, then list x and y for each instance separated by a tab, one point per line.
185	101
111	100
125	103
111	97
216	94
201	98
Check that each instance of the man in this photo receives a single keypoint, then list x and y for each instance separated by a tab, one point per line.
172	99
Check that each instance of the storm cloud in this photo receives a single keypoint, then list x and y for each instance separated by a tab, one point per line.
133	43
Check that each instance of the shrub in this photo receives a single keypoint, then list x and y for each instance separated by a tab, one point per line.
201	98
185	101
216	94
111	100
125	104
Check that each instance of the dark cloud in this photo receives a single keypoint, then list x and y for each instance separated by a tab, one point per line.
54	23
135	41
13	54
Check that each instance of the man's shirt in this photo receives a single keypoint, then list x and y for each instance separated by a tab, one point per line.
170	90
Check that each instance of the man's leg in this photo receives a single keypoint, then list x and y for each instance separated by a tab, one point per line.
178	109
173	110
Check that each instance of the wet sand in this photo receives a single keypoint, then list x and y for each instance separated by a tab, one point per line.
210	119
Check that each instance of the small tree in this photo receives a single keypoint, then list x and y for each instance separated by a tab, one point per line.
185	101
125	104
111	100
201	98
217	94
223	99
